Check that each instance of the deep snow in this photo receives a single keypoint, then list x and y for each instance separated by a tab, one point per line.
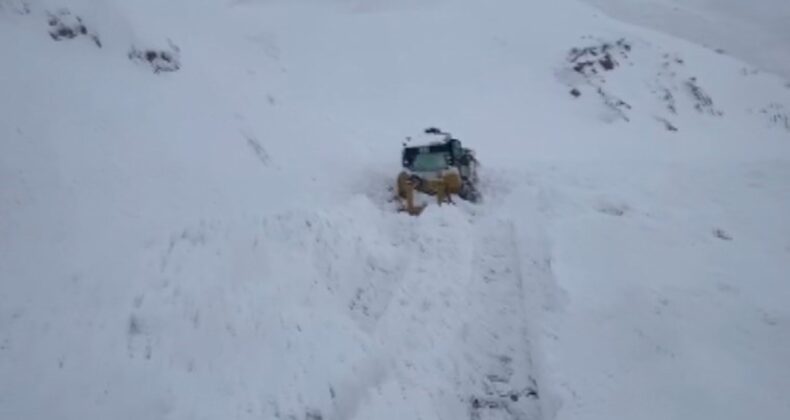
217	241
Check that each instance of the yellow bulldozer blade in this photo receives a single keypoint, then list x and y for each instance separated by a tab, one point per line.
442	189
406	196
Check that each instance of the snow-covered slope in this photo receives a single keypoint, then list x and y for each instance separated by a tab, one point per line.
754	31
195	216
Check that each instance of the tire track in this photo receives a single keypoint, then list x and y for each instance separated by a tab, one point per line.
499	345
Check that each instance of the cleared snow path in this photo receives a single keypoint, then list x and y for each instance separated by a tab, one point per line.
498	323
456	326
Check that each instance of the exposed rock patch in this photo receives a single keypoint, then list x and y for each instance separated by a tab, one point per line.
159	60
63	25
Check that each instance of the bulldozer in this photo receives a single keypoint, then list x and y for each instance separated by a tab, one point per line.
438	170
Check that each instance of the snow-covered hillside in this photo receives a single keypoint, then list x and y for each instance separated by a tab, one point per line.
755	31
196	220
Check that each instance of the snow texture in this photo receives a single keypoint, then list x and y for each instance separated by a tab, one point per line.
197	220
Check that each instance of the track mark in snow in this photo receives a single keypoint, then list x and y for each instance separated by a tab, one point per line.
506	388
450	324
138	339
260	152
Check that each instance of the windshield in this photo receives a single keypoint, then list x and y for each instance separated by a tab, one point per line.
428	162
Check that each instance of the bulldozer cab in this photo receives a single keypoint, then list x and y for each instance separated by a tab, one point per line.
433	157
439	168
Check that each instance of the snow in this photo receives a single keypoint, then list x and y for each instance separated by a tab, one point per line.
651	314
216	240
756	31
